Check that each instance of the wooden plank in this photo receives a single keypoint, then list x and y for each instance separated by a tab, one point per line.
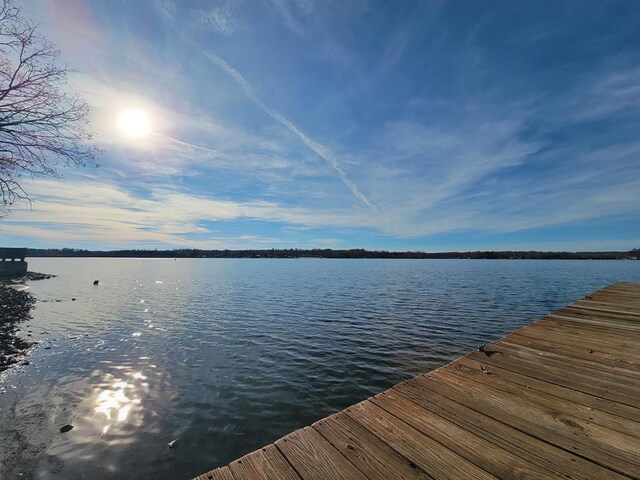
313	457
553	344
264	464
593	323
582	382
625	382
616	291
542	340
587	328
627	304
488	456
625	308
565	431
486	379
597	403
622	286
629	378
603	319
607	291
568	323
604	312
615	297
432	457
367	452
619	288
222	473
615	301
621	344
437	397
635	287
588	324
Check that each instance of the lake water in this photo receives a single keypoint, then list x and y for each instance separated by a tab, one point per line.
226	355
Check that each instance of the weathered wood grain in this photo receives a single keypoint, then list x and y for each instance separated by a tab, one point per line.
222	473
374	458
264	464
428	454
315	458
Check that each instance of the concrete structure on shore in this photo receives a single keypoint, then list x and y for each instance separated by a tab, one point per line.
12	263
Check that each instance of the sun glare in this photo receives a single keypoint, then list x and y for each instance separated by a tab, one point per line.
134	123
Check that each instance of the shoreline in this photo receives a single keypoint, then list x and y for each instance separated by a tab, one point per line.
354	253
16	304
15	308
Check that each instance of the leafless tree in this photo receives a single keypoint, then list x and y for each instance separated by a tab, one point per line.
42	125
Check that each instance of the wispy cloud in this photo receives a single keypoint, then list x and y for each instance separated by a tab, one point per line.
294	13
438	123
617	90
91	210
219	144
220	19
191	145
322	151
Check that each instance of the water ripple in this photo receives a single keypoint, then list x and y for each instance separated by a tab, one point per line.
227	355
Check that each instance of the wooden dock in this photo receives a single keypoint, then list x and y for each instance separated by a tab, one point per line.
559	398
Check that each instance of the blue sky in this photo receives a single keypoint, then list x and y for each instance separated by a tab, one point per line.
434	126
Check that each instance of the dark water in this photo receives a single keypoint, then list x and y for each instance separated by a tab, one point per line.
227	355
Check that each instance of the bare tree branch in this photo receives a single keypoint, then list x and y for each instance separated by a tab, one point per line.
42	126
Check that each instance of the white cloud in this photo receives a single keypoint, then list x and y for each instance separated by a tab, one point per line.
615	91
429	178
322	151
106	214
463	162
220	19
165	7
294	13
220	145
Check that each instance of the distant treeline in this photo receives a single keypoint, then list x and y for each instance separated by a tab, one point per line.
330	253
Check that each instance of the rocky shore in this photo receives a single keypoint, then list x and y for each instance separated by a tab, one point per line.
36	276
15	308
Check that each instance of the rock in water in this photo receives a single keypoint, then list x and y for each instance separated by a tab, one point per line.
95	282
66	428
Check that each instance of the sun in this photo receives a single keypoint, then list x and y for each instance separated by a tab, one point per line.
134	123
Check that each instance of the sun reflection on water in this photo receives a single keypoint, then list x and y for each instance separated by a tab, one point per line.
115	402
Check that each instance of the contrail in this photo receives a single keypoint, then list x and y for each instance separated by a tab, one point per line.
190	145
320	150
